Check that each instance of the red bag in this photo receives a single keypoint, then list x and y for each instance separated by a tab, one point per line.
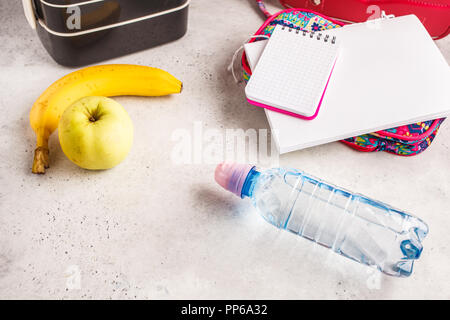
434	14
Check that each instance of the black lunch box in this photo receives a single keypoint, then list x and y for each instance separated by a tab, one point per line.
81	32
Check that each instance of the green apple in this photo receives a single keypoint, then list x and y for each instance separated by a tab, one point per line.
95	133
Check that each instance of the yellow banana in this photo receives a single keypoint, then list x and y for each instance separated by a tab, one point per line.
102	80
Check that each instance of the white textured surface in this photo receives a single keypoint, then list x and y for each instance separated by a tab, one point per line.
151	229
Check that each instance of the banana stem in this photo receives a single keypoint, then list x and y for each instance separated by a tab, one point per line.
41	154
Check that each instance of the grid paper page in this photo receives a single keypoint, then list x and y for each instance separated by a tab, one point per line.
293	71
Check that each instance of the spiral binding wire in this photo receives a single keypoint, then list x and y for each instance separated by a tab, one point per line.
312	34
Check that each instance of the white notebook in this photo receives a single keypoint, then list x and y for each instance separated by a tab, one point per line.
293	72
253	52
389	73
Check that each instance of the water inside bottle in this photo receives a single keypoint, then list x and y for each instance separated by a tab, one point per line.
350	224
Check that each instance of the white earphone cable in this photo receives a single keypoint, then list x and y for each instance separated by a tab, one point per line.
231	65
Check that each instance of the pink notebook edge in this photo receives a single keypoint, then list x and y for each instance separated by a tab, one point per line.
296	115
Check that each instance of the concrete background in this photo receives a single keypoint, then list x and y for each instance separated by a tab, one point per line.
152	229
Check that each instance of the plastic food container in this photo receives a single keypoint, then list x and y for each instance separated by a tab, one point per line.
80	32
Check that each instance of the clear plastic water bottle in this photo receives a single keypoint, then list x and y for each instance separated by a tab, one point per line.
353	225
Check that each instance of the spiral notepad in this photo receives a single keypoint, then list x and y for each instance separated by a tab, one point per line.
293	72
